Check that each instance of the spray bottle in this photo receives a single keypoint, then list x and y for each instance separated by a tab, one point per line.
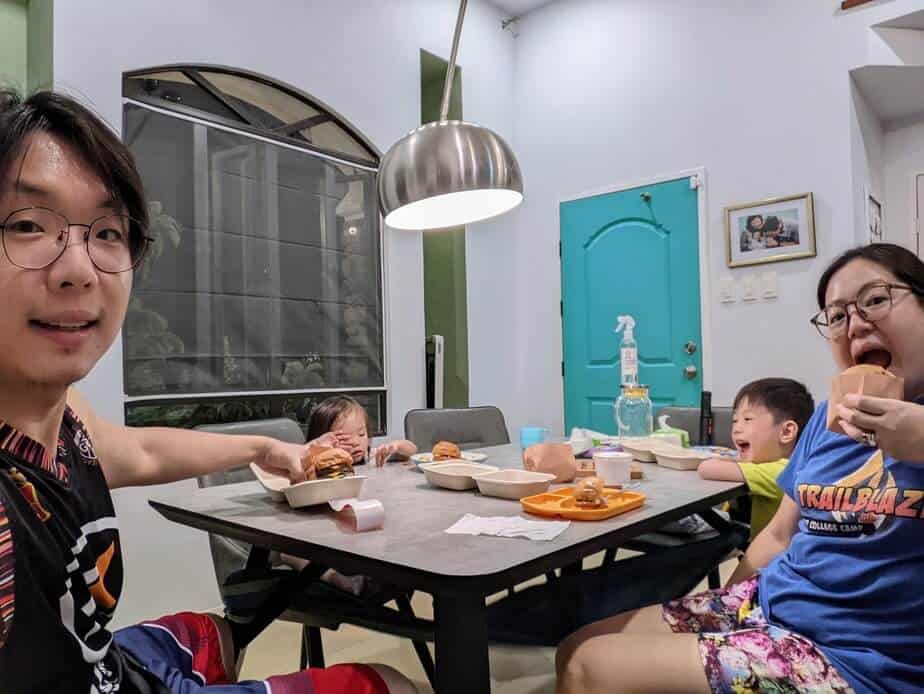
628	351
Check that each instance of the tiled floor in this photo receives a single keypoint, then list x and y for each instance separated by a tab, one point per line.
514	670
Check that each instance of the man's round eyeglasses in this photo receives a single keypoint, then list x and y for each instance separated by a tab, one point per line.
35	237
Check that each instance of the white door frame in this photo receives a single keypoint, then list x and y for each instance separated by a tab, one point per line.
917	226
705	278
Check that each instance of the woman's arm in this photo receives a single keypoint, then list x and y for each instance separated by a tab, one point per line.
137	456
772	540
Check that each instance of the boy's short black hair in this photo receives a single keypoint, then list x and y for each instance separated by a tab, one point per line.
785	398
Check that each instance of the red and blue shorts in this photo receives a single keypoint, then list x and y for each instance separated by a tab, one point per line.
183	651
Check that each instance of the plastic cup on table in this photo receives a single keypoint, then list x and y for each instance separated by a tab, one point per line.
530	436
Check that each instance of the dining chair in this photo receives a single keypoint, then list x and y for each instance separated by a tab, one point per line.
468	427
687	418
320	605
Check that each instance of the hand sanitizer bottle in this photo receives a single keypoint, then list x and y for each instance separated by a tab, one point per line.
628	351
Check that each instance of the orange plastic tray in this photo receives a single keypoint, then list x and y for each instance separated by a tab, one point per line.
560	502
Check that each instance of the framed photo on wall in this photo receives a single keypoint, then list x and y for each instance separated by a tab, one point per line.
873	217
770	231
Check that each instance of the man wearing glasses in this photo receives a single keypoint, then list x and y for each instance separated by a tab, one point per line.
73	228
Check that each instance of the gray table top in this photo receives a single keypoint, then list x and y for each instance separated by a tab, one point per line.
416	514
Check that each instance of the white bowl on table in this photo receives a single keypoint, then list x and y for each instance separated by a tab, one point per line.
454	474
513	484
678	458
644	449
308	493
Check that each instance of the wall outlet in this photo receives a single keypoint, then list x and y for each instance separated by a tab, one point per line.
727	293
749	289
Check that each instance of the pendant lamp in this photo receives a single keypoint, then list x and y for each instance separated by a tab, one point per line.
448	173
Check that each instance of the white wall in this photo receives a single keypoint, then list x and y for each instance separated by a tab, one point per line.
592	93
612	92
362	58
867	142
903	158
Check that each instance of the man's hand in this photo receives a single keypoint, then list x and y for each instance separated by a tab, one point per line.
286	459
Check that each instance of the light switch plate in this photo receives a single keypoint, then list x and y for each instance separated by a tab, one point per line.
749	290
727	290
769	287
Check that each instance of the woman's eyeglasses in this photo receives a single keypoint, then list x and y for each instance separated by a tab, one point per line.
873	303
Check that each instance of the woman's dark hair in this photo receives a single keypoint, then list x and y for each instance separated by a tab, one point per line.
905	265
751	218
328	411
99	148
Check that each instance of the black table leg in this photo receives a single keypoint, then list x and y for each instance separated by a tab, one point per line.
461	644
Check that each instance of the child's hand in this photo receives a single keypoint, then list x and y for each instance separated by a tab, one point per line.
328	440
351	445
384	452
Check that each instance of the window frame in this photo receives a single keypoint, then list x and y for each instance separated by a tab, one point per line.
273	397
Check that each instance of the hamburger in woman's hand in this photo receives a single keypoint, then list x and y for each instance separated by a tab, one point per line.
862	379
324	462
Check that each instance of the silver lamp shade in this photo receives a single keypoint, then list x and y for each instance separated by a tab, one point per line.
448	173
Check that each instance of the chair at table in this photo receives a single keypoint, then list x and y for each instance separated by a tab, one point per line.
469	427
321	605
687	418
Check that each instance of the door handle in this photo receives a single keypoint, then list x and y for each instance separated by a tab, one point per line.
690	372
690	347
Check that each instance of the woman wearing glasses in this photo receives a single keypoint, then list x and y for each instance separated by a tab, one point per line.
72	224
828	598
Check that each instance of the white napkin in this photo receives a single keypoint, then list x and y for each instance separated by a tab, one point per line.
508	526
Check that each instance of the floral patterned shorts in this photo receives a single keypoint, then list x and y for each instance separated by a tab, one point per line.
743	653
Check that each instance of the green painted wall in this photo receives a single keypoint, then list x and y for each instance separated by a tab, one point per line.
26	43
13	15
445	297
40	44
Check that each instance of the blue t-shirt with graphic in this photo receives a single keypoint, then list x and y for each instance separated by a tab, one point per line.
852	579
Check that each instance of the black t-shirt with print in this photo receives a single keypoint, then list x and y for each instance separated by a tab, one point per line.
60	568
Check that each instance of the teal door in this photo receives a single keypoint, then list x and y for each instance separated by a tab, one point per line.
633	252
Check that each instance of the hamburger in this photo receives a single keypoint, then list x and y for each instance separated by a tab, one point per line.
588	493
862	379
324	463
444	450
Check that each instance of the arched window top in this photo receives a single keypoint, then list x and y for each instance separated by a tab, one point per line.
250	102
